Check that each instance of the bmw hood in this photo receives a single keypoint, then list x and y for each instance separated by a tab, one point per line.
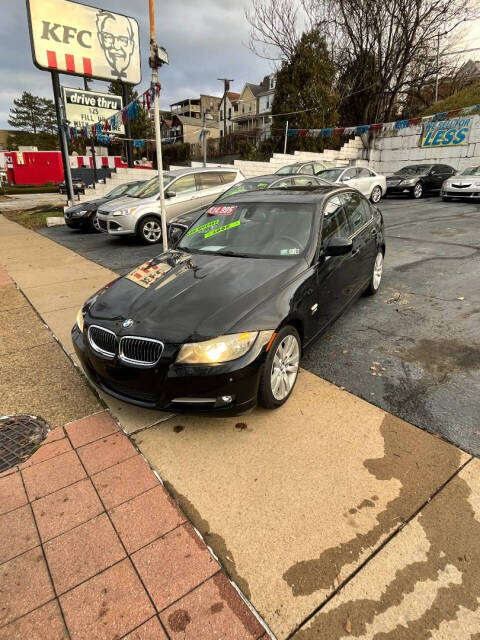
180	297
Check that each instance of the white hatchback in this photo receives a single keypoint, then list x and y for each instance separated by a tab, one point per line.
373	185
185	190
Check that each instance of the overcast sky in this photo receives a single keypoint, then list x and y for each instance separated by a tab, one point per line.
204	39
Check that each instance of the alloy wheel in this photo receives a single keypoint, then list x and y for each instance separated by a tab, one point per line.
377	270
376	195
417	190
285	367
152	231
96	223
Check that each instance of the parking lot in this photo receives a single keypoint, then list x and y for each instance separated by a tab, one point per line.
413	349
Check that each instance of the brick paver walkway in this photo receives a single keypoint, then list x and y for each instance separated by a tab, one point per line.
92	547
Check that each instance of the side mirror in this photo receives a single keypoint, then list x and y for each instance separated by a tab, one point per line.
170	194
338	246
175	234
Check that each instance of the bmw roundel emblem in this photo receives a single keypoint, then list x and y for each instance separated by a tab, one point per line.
127	323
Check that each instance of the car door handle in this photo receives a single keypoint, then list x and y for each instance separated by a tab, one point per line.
354	252
373	232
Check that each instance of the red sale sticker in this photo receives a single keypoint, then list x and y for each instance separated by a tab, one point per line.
221	211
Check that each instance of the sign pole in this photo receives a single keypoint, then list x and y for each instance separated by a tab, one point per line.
92	142
128	131
62	137
286	136
154	63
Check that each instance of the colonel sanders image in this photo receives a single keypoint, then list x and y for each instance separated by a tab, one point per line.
116	37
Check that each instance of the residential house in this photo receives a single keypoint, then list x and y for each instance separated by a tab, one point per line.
187	129
252	110
228	108
195	107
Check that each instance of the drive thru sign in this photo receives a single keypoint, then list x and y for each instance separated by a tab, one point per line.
76	39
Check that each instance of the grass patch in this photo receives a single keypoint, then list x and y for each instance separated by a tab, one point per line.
18	189
467	97
35	218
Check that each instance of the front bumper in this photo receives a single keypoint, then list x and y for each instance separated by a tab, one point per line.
77	222
117	225
399	189
175	388
455	192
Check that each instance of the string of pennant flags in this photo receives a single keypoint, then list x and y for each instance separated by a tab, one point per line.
100	130
383	126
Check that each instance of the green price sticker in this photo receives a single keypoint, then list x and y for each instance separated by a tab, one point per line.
205	226
224	228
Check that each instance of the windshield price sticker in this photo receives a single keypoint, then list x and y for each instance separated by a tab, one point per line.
203	227
289	252
224	228
221	211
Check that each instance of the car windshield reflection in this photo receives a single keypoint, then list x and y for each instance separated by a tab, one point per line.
253	229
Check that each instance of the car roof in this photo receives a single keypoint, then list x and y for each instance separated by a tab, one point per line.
273	177
314	196
185	170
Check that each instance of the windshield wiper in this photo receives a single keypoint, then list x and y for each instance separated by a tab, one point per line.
234	254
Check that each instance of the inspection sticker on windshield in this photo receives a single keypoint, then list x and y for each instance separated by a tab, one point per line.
148	273
224	228
289	252
221	211
203	227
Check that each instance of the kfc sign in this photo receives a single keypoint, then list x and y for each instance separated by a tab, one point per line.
73	38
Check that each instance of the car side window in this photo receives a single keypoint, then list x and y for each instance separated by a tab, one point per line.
303	181
357	209
208	180
363	173
227	176
307	168
185	184
349	174
318	167
335	224
286	182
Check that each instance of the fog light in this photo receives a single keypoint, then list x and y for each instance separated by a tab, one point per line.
226	399
223	401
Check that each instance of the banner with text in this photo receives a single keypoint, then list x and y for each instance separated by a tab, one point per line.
446	133
86	108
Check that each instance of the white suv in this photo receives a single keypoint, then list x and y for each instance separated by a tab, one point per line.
185	190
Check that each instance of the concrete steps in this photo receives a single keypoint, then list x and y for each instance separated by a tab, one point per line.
119	177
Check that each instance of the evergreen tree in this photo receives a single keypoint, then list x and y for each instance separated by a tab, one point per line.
306	83
33	114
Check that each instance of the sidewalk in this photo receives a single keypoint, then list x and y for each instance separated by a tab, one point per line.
91	544
333	517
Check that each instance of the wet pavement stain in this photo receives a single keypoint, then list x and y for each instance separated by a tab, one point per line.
215	541
453	532
408	458
441	357
179	620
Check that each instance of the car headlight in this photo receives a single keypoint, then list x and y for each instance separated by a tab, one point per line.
409	181
125	212
80	321
79	214
221	349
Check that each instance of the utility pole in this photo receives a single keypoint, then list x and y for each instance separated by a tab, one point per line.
226	88
286	135
158	57
204	138
92	145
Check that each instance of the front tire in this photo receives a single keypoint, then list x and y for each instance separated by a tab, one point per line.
280	371
376	194
150	230
94	223
417	191
376	276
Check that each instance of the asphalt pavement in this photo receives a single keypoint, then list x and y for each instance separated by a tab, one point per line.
414	348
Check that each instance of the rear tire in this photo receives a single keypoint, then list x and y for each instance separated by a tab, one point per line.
280	371
150	230
376	278
417	191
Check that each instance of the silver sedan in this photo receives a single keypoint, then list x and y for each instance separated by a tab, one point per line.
463	185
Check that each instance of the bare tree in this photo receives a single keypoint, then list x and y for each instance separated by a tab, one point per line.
398	39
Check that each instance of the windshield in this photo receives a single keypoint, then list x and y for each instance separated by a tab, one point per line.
252	229
414	169
330	174
242	187
288	170
150	188
471	171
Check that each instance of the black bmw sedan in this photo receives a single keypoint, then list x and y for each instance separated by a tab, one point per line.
218	323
